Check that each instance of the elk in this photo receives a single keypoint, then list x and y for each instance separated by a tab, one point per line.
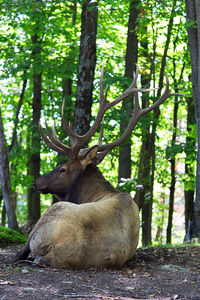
93	224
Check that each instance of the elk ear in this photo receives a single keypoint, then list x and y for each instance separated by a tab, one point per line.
89	157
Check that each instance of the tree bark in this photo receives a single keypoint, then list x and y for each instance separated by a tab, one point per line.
173	142
189	169
160	219
124	170
193	16
142	196
87	63
13	142
67	78
34	161
7	193
173	178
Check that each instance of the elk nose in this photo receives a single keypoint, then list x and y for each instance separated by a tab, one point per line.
34	186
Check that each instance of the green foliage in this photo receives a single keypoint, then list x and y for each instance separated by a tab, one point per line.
173	150
10	237
128	184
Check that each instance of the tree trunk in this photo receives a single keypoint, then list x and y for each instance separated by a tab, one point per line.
193	16
189	169
13	142
7	193
160	219
143	194
67	78
173	157
34	161
130	63
171	201
87	63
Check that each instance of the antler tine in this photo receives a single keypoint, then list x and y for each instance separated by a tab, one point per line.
162	98
70	132
49	143
82	140
54	139
101	132
130	90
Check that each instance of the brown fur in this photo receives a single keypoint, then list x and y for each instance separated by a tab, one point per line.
98	227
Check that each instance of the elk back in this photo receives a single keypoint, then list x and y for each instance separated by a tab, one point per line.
99	234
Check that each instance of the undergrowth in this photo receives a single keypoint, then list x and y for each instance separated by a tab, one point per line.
193	242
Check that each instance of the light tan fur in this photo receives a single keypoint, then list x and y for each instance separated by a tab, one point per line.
100	234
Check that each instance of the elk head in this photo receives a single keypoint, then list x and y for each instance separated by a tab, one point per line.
60	181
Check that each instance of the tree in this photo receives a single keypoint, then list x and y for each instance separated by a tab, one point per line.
8	194
173	151
34	160
124	170
189	182
142	195
193	19
86	68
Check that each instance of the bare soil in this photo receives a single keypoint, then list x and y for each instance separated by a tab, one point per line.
154	273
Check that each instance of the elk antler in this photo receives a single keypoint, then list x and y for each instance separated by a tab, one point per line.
79	141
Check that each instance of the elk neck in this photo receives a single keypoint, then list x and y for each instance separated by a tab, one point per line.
91	186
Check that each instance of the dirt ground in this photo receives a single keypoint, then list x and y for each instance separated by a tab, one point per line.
154	273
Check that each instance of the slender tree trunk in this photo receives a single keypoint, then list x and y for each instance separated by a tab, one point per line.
67	78
87	63
7	193
130	63
173	157
189	169
160	219
143	195
13	142
34	161
193	16
173	176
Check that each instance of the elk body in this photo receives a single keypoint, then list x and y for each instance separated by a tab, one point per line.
93	225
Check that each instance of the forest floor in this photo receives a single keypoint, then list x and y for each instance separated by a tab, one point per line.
154	273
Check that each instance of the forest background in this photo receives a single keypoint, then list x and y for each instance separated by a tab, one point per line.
54	50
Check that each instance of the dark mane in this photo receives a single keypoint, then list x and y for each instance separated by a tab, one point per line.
91	177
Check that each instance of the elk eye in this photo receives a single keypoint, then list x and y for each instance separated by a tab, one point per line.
62	170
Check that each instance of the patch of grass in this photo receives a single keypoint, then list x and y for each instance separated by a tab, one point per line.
10	237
